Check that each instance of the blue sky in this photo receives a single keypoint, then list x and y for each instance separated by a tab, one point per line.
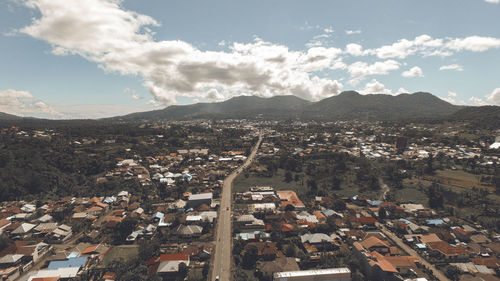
96	58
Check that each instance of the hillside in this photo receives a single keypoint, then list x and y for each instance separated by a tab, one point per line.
352	105
347	105
478	116
6	116
237	107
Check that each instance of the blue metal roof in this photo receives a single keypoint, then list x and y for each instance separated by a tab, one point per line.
71	262
435	222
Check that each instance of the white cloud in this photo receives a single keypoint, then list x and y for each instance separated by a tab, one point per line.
354	49
359	70
328	30
413	72
478	101
350	32
452	67
402	91
452	98
222	43
494	97
86	111
375	87
425	45
493	1
136	97
474	44
120	41
23	103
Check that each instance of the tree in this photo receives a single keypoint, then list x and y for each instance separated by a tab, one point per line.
435	194
288	176
382	213
452	272
290	251
148	249
250	257
183	271
429	169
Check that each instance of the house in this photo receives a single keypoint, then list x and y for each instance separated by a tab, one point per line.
188	230
250	222
448	252
77	262
61	273
60	234
317	241
268	268
330	274
289	197
265	250
23	230
461	234
196	200
167	265
371	244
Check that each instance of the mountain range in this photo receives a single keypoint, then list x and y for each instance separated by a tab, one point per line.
348	105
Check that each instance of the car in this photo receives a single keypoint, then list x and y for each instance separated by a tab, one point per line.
217	278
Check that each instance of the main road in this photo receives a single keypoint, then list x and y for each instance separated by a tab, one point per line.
223	256
437	273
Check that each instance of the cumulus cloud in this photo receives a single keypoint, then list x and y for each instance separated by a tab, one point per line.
452	98
24	103
375	87
494	97
493	1
356	50
413	72
473	43
452	67
359	70
478	101
402	91
120	41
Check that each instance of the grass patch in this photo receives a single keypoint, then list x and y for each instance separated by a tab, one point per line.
120	254
277	181
461	179
411	194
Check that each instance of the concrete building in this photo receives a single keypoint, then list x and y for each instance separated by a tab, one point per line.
196	200
329	274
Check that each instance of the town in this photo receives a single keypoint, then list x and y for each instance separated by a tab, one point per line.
346	200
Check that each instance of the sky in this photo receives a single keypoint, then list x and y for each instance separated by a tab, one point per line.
97	58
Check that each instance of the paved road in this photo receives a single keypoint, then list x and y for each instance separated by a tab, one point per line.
439	275
223	242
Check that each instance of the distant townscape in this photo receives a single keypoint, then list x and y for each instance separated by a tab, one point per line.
303	200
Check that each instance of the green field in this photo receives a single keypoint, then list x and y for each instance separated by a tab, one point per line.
120	253
243	183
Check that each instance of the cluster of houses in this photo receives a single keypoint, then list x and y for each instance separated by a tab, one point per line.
195	166
375	141
397	245
39	246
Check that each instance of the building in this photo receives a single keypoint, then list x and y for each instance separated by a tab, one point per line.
196	200
329	274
